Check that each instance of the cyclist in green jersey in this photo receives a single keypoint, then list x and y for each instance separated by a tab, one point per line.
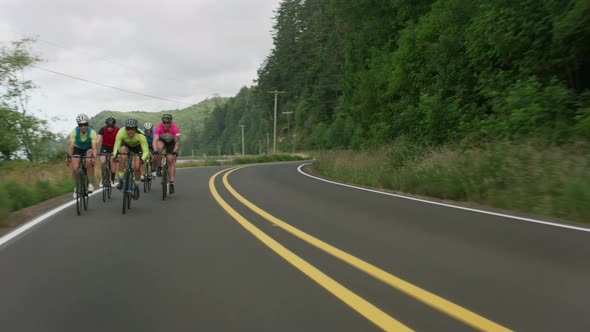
130	139
83	142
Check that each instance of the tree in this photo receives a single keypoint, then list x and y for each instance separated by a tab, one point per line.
28	132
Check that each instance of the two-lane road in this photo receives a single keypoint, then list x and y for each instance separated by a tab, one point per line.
267	248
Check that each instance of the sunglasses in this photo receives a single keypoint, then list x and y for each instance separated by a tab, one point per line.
130	128
166	122
83	124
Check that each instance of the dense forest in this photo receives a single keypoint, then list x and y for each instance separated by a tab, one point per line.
361	74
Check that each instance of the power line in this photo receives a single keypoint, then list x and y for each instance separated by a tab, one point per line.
102	58
110	86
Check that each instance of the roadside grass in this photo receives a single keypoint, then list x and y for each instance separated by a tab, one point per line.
526	177
24	184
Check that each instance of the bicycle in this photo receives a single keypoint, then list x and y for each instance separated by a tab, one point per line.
147	177
81	184
107	188
129	190
165	175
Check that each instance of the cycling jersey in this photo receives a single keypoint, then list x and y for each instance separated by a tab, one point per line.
138	139
167	135
108	138
81	140
150	137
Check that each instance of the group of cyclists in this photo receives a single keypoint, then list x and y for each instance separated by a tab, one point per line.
119	142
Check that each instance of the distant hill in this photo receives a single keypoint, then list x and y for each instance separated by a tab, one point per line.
190	118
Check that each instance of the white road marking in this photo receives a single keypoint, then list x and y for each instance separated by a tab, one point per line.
300	169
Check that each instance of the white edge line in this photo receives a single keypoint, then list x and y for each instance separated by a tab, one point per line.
11	235
446	205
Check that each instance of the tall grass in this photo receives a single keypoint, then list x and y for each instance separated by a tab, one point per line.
23	184
548	181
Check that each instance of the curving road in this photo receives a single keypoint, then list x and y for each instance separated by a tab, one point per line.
267	248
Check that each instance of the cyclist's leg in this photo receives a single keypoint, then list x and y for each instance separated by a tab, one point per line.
160	146
90	170
113	167
122	162
103	169
136	170
137	167
75	165
171	159
142	170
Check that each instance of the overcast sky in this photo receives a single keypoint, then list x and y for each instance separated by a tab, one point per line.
180	50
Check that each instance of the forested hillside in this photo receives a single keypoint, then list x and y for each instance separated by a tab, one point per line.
360	74
190	120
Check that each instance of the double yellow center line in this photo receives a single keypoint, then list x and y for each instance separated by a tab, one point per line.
369	311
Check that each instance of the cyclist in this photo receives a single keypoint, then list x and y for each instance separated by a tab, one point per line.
82	142
106	141
131	140
167	134
148	131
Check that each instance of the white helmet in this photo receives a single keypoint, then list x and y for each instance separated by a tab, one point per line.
82	118
148	126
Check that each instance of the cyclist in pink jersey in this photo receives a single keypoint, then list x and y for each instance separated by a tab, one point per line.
167	135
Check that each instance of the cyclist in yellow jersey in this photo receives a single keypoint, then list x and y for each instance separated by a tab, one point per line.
130	139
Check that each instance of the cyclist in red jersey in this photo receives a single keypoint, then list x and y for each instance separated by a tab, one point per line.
106	141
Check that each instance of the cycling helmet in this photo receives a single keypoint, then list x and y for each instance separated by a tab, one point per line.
167	118
82	118
110	121
131	123
148	126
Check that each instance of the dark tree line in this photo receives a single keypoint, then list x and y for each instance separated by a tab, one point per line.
359	74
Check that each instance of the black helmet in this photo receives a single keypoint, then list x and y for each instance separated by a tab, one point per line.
110	121
167	118
131	123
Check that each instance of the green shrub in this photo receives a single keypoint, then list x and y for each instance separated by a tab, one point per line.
22	195
5	205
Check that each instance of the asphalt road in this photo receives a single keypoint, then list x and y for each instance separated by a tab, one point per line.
266	248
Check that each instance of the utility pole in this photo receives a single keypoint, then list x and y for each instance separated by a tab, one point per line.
274	142
242	138
289	129
267	143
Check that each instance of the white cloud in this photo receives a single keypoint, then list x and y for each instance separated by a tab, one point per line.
175	49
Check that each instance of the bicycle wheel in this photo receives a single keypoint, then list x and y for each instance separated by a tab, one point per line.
130	192
126	197
105	181
164	181
146	177
85	190
78	193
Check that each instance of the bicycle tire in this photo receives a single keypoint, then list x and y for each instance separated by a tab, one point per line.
125	191
78	193
130	189
104	179
146	178
164	181
85	188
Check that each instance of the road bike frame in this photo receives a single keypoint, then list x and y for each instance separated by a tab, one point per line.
128	189
81	184
107	188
